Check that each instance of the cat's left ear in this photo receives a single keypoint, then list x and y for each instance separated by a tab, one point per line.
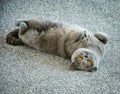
101	37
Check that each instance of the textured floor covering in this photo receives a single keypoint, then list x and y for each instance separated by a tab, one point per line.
27	71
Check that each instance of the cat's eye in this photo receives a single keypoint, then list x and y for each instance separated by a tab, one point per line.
80	58
89	62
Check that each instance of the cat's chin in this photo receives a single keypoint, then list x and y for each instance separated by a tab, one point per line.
93	69
75	67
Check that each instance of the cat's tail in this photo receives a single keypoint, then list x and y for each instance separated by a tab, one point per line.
13	39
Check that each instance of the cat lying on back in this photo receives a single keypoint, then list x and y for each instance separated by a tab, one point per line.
84	49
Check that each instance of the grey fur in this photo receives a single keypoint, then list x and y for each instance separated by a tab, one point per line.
63	40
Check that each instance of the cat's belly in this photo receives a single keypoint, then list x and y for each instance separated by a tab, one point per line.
45	41
49	43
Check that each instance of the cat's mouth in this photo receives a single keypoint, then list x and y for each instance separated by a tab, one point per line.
75	66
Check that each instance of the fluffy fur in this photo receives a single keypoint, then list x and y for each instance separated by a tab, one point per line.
63	40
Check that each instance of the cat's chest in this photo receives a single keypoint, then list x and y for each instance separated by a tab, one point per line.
31	38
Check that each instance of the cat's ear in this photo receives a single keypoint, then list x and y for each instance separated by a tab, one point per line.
101	37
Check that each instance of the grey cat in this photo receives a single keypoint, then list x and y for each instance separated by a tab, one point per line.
83	48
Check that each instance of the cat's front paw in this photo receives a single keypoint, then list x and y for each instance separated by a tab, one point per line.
22	26
18	22
83	60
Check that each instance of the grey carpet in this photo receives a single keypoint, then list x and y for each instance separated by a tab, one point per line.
27	71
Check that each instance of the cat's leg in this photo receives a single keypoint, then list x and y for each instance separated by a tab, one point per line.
37	25
22	27
29	24
12	38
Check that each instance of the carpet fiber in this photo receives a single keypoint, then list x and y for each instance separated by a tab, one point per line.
28	71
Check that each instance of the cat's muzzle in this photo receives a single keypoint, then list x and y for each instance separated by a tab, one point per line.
75	66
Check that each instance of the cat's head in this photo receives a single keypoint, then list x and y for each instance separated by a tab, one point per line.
88	57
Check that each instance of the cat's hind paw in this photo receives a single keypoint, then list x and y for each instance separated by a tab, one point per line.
12	38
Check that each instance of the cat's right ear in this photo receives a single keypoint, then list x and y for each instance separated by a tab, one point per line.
101	37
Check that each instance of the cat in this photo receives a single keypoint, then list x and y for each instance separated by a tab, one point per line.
83	48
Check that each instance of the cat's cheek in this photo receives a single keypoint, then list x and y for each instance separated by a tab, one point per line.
74	66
